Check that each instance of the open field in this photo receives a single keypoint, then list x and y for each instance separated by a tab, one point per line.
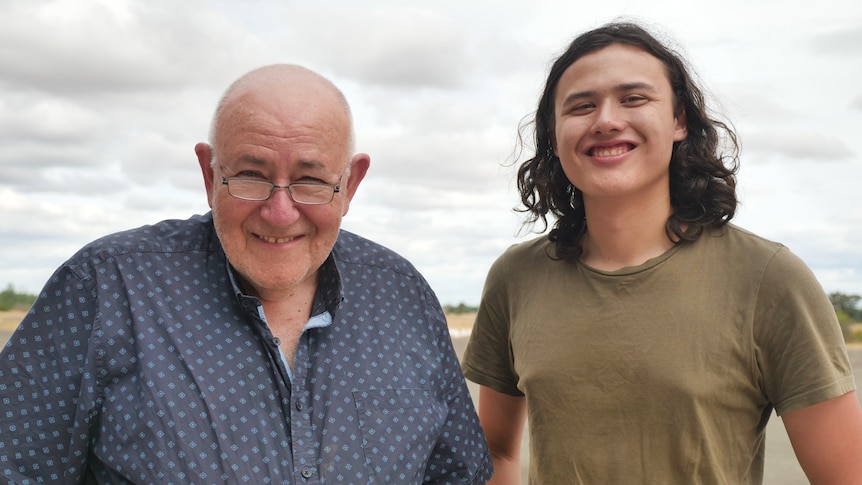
9	320
459	324
781	465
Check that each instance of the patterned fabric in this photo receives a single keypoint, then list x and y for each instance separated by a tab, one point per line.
141	362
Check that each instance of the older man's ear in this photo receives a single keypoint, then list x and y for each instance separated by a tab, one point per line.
205	157
358	168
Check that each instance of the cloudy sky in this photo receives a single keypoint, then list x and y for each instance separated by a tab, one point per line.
102	101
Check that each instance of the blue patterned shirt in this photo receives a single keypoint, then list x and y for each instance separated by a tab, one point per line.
141	362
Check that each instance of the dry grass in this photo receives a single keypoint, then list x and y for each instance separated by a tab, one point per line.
460	325
460	322
9	320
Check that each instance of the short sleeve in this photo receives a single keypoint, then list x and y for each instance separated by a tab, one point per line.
800	349
488	358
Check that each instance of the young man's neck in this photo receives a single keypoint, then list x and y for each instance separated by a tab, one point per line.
623	235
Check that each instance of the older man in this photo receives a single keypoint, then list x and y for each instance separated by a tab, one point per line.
255	344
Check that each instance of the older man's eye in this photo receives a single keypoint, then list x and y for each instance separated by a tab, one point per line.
249	174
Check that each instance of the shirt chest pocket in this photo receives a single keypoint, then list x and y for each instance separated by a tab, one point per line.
399	430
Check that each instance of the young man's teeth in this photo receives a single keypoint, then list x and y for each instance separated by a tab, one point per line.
610	152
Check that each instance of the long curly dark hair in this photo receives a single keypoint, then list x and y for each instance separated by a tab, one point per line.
703	166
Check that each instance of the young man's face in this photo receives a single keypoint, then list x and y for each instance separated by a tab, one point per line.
615	124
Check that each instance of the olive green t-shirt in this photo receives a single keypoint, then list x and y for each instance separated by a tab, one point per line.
664	373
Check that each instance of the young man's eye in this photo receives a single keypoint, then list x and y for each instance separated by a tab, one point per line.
633	99
582	108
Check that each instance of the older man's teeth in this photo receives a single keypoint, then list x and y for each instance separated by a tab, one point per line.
276	240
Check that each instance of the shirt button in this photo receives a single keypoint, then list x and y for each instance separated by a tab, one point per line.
276	341
298	405
306	473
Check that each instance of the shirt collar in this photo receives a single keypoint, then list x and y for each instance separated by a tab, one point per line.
329	288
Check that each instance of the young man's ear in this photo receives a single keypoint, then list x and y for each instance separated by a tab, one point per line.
681	130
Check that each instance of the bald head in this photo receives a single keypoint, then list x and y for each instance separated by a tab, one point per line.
287	84
289	127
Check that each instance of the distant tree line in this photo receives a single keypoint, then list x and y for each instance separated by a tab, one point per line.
460	308
847	308
849	314
12	300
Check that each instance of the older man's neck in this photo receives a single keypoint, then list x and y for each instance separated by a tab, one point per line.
287	312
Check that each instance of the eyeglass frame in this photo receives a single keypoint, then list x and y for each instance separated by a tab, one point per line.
272	187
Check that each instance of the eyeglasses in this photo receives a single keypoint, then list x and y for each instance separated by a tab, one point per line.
301	193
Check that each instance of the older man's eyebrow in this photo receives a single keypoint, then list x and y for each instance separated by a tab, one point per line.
308	164
252	160
311	164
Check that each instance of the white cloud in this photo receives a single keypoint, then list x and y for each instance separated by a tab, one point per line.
101	102
94	47
808	146
400	47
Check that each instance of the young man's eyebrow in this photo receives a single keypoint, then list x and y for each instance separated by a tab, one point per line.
623	87
577	96
635	85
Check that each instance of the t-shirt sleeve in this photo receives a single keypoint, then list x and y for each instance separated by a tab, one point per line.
488	359
800	348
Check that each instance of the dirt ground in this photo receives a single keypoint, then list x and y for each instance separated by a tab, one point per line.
10	320
459	324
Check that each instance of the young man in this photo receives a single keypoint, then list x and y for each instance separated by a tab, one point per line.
645	338
255	344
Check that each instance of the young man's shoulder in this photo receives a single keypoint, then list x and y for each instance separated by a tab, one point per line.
534	251
738	240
